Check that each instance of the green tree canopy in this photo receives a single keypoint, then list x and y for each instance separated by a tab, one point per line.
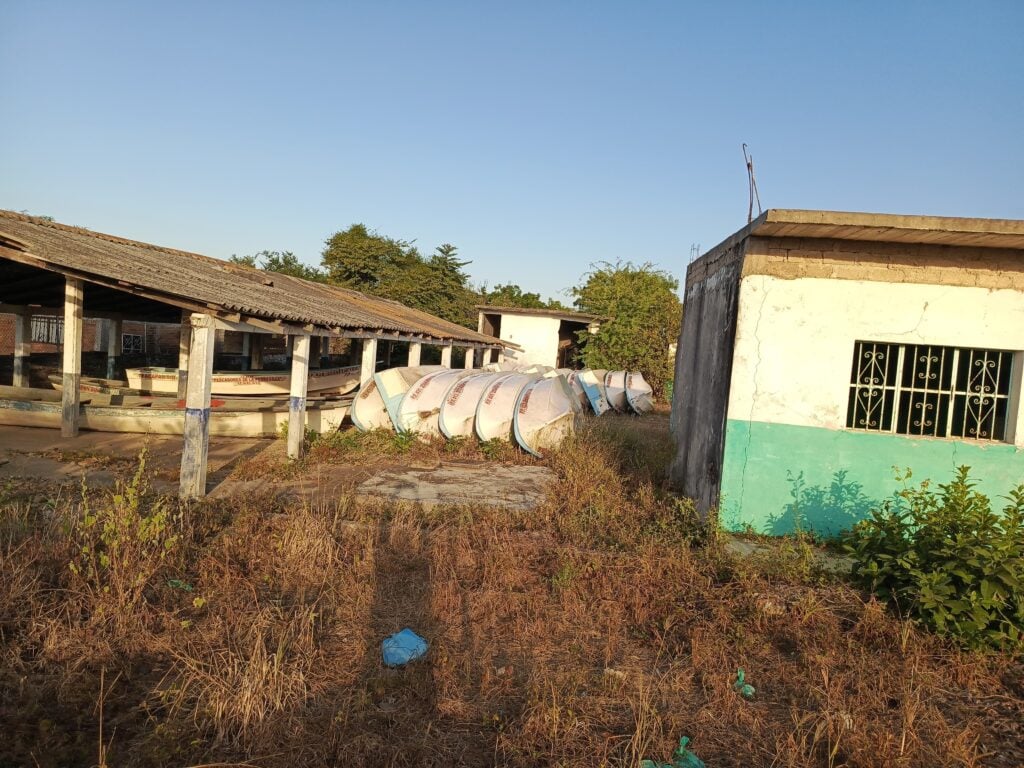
511	295
645	314
367	261
285	262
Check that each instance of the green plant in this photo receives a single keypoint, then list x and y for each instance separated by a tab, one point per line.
949	560
123	542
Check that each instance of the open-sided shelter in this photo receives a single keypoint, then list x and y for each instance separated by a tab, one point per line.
81	273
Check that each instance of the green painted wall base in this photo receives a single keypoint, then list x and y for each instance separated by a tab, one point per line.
776	475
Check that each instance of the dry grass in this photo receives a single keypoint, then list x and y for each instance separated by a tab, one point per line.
595	631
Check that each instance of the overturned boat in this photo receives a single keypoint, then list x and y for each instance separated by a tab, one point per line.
369	411
457	417
337	381
393	383
496	409
419	409
593	386
639	394
615	387
545	415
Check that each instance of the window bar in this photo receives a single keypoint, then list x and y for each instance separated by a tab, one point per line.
955	366
901	358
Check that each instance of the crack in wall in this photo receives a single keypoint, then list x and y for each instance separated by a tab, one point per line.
754	394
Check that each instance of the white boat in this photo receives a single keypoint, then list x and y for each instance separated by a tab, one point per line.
494	412
169	419
573	379
368	410
545	415
421	405
593	385
615	386
457	417
639	393
337	381
393	383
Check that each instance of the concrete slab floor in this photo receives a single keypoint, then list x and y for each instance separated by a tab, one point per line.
23	453
521	487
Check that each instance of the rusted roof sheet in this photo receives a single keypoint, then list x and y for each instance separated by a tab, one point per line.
180	277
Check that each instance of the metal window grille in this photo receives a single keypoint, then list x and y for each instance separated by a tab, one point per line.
47	329
132	344
928	390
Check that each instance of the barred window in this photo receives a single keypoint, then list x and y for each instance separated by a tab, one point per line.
928	390
47	329
132	344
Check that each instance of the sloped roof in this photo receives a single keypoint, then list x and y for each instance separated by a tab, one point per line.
201	283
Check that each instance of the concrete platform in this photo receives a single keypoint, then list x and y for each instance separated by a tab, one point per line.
520	488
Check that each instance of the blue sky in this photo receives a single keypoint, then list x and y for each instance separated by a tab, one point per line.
537	137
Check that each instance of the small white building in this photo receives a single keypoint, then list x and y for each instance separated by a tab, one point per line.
545	336
821	349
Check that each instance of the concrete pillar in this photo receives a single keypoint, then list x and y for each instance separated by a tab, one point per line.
470	357
246	350
488	356
197	407
387	354
22	349
415	350
369	365
114	330
325	351
256	351
446	355
184	350
297	400
72	369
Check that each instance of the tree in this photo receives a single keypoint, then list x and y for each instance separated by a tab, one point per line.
283	262
367	261
644	317
511	295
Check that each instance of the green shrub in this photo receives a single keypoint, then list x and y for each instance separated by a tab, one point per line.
950	561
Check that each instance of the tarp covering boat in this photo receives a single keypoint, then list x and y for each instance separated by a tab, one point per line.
545	415
421	405
458	411
261	383
495	411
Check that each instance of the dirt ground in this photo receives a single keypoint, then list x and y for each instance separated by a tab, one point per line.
594	630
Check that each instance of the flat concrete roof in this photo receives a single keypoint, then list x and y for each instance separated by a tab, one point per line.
563	314
887	227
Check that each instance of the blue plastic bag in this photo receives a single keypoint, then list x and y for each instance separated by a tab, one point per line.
403	647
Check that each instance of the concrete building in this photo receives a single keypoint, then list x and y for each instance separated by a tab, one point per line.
821	350
546	336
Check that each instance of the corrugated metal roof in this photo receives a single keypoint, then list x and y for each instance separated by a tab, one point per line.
170	275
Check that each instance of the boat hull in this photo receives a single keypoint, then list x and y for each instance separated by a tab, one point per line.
167	421
261	383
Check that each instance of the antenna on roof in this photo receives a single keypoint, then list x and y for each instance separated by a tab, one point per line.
694	252
751	186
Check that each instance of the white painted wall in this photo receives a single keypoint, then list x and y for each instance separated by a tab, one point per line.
538	336
794	340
